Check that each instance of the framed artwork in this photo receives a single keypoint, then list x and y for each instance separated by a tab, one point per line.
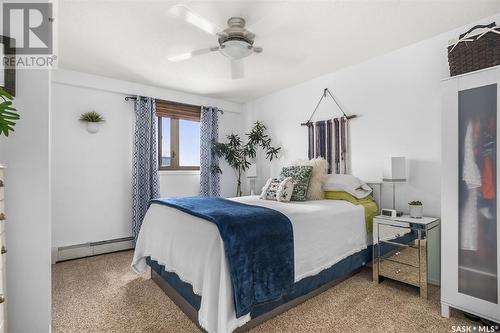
7	73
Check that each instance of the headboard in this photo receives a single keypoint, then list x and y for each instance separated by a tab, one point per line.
377	192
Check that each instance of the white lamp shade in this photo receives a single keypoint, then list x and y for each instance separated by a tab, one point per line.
395	170
252	171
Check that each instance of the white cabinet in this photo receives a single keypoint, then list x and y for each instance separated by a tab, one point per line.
470	256
3	251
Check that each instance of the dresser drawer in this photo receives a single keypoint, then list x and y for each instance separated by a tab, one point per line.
399	271
404	255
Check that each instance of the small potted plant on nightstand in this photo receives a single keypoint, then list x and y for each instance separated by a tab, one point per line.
416	209
92	119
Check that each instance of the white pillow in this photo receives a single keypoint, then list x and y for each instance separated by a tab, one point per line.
278	189
347	183
318	174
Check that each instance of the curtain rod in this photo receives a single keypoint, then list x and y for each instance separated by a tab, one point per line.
134	98
325	91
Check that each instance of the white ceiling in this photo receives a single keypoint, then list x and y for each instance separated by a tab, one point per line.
131	40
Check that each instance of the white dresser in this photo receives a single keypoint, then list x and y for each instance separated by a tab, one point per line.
3	251
470	251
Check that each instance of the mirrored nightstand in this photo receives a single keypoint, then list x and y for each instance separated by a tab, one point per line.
401	249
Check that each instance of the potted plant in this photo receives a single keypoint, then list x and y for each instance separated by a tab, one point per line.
92	119
8	115
416	209
238	154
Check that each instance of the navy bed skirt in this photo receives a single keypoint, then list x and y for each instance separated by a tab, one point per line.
306	285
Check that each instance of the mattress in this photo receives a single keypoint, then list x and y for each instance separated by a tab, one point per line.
325	232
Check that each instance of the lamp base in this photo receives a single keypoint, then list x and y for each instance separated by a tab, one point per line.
252	185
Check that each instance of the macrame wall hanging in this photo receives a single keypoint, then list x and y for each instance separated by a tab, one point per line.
330	138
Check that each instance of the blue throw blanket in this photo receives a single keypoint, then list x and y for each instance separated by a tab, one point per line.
258	242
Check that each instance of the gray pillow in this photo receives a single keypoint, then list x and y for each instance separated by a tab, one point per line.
347	183
300	175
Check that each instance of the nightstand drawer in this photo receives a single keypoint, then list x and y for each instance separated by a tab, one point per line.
395	234
400	272
404	255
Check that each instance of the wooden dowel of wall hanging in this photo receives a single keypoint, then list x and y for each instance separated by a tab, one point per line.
311	122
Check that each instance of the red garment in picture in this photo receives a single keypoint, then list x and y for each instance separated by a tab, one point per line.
488	179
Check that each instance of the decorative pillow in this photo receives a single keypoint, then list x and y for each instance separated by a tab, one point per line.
301	175
347	183
318	175
278	189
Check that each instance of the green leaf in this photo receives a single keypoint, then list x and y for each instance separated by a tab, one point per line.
5	94
8	114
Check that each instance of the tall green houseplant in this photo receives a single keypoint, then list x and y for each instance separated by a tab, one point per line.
238	154
8	115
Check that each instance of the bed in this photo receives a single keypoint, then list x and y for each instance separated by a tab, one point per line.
187	258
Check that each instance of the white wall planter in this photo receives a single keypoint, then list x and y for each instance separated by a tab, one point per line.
92	127
416	211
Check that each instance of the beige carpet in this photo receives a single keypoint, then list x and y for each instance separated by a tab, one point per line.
102	294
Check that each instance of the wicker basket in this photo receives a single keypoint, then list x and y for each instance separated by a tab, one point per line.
479	53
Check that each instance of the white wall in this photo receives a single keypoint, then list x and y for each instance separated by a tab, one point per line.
92	172
397	98
26	152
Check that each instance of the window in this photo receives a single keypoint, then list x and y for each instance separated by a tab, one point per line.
178	136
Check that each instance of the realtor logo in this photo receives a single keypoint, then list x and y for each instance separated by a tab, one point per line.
30	25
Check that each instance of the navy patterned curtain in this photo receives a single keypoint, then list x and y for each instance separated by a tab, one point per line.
209	162
145	179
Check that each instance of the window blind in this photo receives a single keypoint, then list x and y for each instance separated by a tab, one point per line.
177	110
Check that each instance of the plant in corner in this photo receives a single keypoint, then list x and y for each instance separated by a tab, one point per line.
238	154
8	115
92	119
416	209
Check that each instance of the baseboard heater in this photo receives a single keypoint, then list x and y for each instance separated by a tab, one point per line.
93	248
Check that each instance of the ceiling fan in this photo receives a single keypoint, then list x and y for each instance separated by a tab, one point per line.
235	42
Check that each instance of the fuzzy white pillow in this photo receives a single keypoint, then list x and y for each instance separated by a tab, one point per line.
347	183
318	175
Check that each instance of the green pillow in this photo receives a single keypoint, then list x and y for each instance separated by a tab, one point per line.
300	175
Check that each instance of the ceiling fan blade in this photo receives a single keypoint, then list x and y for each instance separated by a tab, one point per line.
257	49
195	19
237	69
188	55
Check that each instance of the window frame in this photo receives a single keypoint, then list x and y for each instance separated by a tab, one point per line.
174	147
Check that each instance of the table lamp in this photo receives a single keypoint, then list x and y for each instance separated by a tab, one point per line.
395	173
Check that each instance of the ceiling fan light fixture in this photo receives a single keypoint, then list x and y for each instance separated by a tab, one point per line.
236	49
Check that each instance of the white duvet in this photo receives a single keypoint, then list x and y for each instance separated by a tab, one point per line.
324	231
